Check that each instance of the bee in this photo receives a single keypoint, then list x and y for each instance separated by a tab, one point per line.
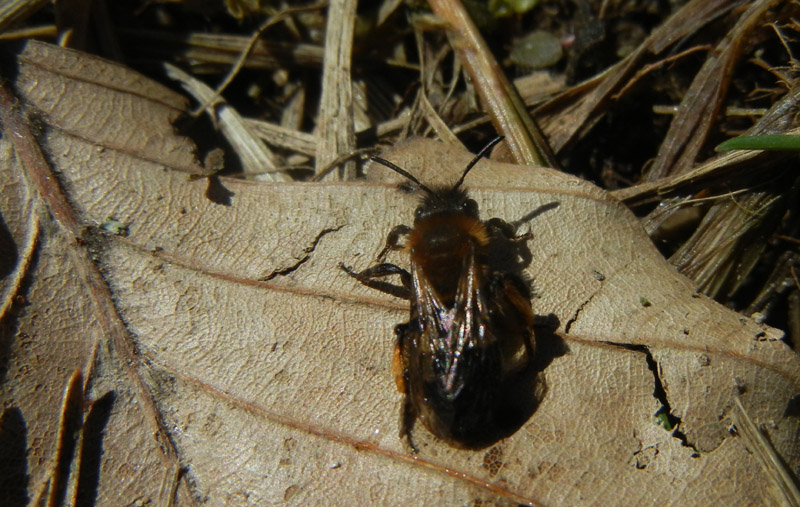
471	324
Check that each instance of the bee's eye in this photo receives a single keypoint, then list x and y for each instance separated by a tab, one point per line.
418	212
470	207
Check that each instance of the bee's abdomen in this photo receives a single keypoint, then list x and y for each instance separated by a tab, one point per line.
459	410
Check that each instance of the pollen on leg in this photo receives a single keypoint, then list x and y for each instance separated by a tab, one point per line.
398	369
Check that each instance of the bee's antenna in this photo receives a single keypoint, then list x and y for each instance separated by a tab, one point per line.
398	170
477	158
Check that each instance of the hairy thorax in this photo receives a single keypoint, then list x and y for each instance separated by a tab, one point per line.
439	246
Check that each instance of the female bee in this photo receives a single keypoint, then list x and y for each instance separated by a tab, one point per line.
470	325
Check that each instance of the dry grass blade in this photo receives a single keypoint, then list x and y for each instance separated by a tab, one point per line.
284	137
569	114
14	11
726	246
504	105
54	489
211	53
729	240
703	100
336	129
255	156
240	62
760	445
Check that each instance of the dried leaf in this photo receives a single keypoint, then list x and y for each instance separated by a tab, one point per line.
269	368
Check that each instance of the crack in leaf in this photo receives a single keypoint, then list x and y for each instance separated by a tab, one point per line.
663	416
575	315
308	251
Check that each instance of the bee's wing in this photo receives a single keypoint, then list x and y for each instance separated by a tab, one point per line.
447	333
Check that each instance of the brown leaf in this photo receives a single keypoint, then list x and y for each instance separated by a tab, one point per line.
268	369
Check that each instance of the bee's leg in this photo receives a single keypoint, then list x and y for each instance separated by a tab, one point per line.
393	240
507	244
408	413
508	230
369	275
407	418
400	359
510	293
518	295
498	224
522	237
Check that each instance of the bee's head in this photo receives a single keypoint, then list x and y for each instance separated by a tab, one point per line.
446	200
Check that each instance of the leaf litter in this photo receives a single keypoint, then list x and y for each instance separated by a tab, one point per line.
214	379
